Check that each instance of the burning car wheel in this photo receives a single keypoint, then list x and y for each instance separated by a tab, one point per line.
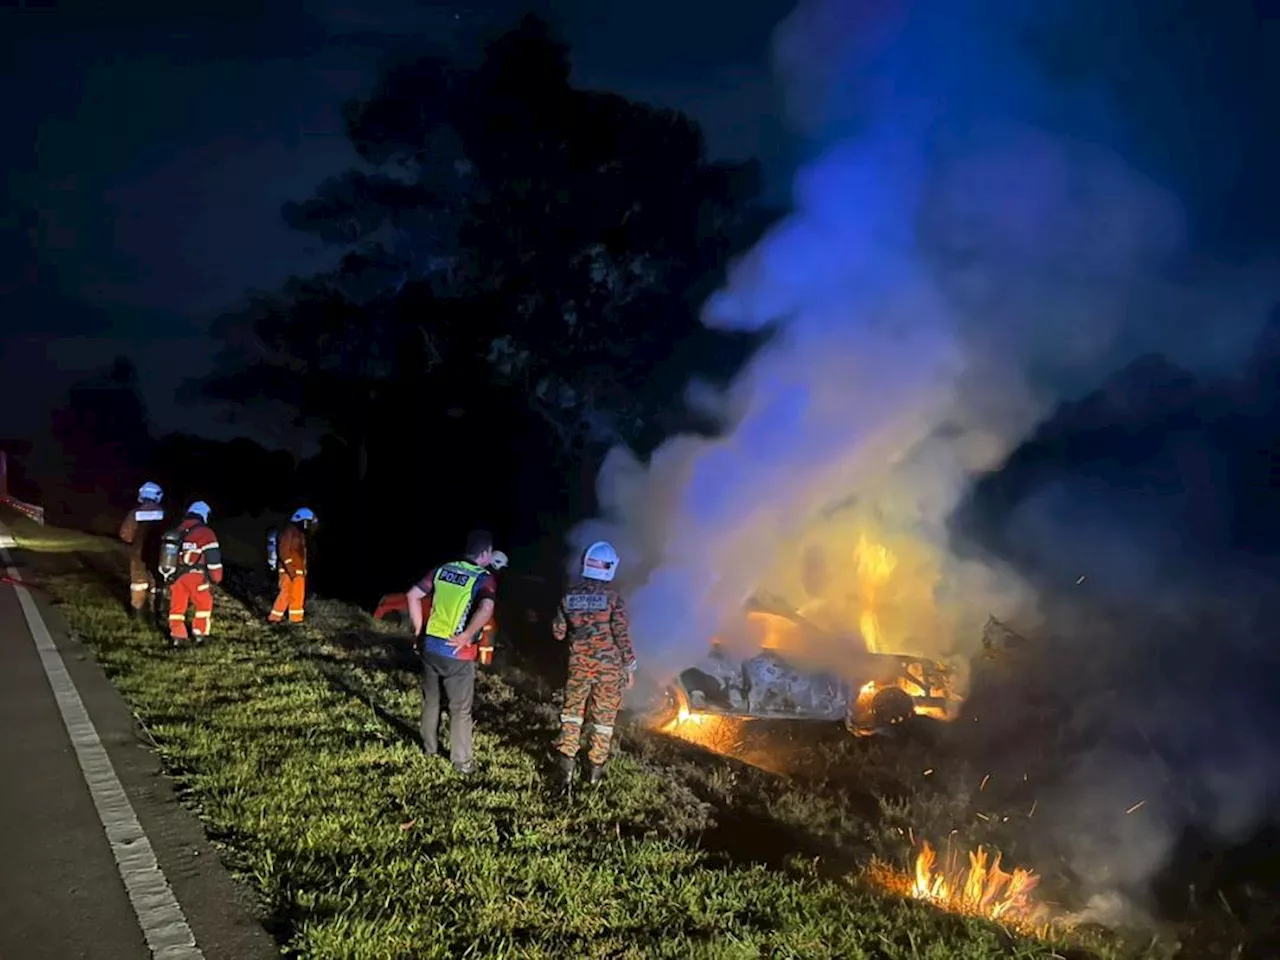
891	706
668	707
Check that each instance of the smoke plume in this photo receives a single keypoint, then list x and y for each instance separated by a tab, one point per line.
964	253
972	244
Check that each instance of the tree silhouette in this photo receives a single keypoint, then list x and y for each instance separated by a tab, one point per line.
101	436
523	262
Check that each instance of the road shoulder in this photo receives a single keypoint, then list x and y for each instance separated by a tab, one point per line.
221	912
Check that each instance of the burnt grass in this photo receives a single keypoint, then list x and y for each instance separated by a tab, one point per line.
798	800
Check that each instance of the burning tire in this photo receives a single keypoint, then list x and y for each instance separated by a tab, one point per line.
669	707
890	706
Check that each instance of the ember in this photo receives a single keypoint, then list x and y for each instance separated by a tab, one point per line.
980	889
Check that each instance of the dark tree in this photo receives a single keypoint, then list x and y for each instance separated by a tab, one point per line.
524	262
101	443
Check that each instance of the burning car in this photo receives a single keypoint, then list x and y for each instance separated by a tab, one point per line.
879	690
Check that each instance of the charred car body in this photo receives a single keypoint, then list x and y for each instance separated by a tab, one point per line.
885	689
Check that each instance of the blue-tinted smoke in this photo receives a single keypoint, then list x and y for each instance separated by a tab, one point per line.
965	251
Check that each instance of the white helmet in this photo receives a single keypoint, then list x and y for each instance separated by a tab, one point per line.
303	515
499	560
600	562
150	493
201	510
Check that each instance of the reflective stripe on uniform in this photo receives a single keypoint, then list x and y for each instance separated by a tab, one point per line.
602	728
566	718
178	616
203	586
139	587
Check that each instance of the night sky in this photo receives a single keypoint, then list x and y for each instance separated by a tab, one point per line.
156	143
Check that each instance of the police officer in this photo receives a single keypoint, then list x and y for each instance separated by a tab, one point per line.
462	599
593	616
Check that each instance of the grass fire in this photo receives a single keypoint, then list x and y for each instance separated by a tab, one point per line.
970	882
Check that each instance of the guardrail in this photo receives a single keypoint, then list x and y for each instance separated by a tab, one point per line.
29	510
26	509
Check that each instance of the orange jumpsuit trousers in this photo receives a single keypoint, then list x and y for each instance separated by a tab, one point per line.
192	588
292	597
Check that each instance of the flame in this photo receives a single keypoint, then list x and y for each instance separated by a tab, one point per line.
715	733
982	889
875	565
776	633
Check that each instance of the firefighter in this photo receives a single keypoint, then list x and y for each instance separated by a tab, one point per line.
462	599
141	530
291	564
194	559
601	664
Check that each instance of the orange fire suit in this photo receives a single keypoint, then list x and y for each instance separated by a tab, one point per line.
292	565
593	616
199	567
141	531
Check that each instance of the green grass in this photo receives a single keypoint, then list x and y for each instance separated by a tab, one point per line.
358	846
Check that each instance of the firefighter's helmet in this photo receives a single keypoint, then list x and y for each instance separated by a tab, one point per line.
201	510
150	493
303	515
499	560
600	562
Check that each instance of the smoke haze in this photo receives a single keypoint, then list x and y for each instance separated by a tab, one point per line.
958	261
972	244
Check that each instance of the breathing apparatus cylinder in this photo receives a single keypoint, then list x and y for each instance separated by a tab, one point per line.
170	549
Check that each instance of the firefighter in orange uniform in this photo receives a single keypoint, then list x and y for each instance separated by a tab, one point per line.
141	531
191	555
593	615
291	564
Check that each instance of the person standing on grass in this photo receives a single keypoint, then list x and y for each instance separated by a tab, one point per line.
141	531
197	567
462	595
291	568
593	616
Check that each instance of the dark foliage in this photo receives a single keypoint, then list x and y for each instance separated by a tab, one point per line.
98	438
523	265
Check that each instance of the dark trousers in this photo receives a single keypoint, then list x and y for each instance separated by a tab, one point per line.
458	677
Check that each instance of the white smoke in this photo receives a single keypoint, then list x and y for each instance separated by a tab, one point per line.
959	260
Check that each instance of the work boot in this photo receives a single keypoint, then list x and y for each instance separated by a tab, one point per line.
565	766
595	774
138	613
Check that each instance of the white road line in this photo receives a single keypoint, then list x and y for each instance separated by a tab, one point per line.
161	918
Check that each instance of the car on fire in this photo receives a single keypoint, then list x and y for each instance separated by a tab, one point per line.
881	691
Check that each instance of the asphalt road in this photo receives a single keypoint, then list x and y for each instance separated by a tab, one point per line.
62	895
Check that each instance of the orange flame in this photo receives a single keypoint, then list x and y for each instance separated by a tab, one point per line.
715	733
876	564
983	889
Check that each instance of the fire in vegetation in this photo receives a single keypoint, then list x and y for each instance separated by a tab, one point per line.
979	887
716	733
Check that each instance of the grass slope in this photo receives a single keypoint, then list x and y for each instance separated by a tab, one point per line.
298	754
